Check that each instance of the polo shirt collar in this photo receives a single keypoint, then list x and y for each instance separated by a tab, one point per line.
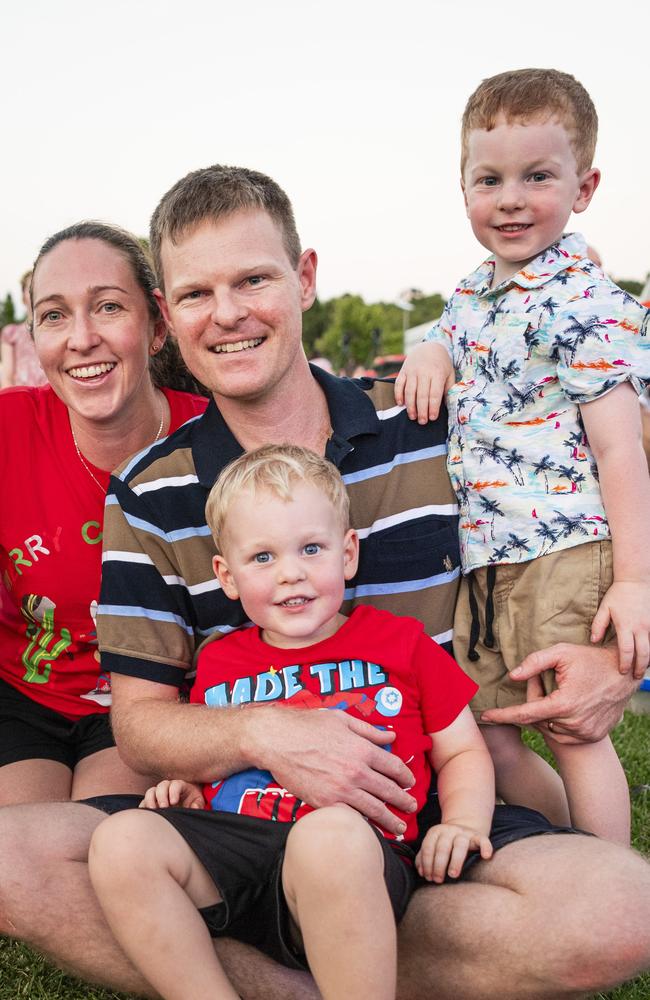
351	412
567	252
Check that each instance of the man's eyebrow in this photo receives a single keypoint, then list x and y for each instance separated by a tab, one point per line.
94	290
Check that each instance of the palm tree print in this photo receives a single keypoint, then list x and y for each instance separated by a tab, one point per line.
492	508
568	525
548	535
542	467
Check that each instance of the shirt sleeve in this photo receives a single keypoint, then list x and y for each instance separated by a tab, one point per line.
144	624
442	330
444	688
600	339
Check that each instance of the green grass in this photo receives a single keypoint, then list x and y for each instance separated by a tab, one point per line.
26	975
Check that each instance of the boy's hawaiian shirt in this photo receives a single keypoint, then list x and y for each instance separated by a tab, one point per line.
526	354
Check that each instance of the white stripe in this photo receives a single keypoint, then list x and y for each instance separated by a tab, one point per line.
114	555
163	482
389	414
440	510
443	637
203	588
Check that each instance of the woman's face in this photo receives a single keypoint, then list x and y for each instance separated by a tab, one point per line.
92	329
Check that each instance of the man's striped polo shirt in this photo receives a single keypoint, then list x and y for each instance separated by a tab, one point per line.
160	599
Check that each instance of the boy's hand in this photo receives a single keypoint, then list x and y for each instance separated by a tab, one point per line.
627	606
423	381
445	848
173	793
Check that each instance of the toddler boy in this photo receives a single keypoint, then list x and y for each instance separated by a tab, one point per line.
263	866
545	448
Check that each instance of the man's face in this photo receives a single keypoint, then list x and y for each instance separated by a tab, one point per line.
235	304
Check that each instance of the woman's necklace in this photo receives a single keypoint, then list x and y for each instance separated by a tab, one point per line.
83	460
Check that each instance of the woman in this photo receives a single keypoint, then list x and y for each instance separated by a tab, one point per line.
97	329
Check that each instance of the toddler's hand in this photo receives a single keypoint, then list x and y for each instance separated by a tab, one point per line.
445	848
425	377
627	606
173	793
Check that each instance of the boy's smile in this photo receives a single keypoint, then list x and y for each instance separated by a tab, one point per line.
521	184
287	561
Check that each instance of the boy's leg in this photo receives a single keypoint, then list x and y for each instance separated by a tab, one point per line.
333	880
523	778
596	786
150	884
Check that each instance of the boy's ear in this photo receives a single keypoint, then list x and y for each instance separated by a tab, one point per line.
588	184
462	187
225	577
350	553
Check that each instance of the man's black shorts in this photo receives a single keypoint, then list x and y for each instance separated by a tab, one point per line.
30	731
244	855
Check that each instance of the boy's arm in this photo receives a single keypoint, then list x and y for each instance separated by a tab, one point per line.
424	380
466	792
613	426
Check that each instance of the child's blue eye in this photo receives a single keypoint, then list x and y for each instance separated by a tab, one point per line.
539	175
311	548
262	557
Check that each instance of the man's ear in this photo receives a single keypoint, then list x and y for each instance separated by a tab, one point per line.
164	308
225	578
350	553
588	184
306	269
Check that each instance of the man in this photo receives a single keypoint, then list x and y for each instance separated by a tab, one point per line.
235	285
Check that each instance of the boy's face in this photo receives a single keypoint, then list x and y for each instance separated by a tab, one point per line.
521	184
287	561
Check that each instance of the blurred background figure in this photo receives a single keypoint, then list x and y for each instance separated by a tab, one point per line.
19	364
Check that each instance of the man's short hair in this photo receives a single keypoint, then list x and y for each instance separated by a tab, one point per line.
524	94
276	469
214	193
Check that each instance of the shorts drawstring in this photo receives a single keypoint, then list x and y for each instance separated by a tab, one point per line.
488	639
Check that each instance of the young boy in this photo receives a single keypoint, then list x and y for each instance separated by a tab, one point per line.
263	866
544	433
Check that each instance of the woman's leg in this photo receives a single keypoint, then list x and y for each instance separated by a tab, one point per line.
37	780
105	773
149	884
333	879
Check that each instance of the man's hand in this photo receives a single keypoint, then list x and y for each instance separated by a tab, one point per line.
590	697
326	757
423	381
173	793
445	848
627	605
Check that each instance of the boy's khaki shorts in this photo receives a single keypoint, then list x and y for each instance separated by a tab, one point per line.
536	604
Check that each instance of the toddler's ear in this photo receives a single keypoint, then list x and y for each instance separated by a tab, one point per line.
225	577
350	553
588	184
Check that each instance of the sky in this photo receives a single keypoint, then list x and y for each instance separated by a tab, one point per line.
352	106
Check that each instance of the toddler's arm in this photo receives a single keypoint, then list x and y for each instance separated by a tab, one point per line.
423	381
466	791
613	427
175	792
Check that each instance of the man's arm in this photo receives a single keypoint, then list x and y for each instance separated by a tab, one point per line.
322	757
590	697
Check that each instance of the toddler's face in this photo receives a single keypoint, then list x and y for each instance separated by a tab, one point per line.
287	561
521	184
